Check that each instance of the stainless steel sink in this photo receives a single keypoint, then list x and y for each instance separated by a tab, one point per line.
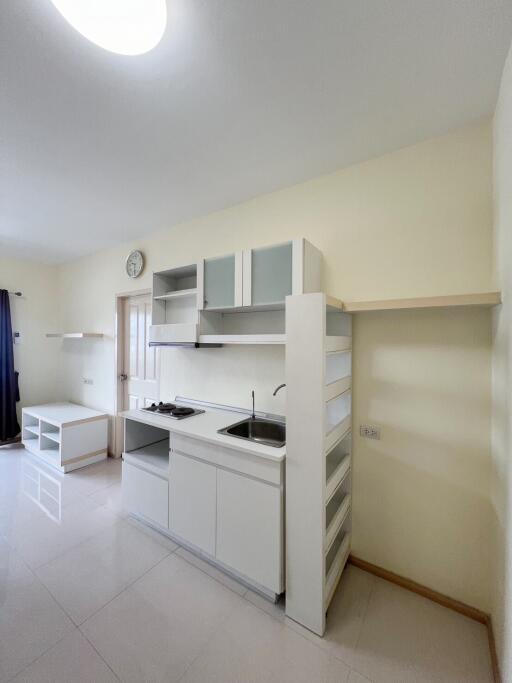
266	432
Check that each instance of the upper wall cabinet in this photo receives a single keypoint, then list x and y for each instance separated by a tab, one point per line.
259	278
220	282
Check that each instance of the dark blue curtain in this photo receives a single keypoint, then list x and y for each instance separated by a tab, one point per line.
9	427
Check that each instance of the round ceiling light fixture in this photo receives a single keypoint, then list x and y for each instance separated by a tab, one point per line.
128	27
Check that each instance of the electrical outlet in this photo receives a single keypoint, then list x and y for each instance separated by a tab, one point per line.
370	432
87	380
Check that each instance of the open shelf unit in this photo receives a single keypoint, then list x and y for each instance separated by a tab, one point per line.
74	335
175	314
65	435
319	478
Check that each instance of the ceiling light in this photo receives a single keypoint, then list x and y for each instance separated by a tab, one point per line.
128	27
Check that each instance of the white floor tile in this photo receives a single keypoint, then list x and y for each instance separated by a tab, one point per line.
212	571
154	630
97	476
345	616
255	648
87	577
72	660
30	623
112	498
355	677
274	609
41	539
13	570
408	639
160	615
152	533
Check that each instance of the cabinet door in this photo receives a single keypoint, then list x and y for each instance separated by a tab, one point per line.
146	494
222	282
193	494
249	528
268	274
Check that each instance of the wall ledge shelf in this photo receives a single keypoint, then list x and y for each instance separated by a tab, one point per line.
74	335
484	299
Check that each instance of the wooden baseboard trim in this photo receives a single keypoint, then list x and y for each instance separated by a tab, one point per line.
492	649
444	600
418	588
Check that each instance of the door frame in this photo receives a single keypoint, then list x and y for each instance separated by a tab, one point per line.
119	333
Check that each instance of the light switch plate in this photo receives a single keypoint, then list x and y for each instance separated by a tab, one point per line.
370	432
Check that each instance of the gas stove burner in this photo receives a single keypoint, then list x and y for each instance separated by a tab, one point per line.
172	410
180	411
165	407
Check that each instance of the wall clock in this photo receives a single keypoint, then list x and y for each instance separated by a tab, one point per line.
134	263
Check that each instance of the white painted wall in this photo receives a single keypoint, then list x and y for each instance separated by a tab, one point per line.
501	577
34	314
412	223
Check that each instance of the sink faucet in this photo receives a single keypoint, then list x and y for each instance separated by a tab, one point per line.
253	413
277	389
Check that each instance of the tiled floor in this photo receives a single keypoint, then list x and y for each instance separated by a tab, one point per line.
89	596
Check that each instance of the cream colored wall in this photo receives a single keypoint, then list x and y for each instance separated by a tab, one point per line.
421	493
34	314
412	223
501	577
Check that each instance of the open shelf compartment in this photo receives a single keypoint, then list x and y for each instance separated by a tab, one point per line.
249	327
337	465
147	447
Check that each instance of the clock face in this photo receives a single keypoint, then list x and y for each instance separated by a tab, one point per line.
134	264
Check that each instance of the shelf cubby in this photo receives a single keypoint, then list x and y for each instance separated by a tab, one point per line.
249	327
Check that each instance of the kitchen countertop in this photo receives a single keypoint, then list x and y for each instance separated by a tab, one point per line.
205	426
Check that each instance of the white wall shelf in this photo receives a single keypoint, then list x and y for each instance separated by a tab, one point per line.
66	436
176	295
485	299
74	335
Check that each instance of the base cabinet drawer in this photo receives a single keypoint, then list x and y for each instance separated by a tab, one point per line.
146	494
249	528
193	487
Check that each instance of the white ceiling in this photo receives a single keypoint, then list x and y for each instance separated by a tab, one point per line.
240	97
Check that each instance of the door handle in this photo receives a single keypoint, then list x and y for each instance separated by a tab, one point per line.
123	377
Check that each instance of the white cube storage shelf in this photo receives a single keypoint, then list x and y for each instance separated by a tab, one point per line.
65	435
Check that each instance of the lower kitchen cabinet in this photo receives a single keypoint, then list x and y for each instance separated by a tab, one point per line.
193	490
250	528
146	494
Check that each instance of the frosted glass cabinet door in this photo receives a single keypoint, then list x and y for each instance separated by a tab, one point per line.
271	274
219	282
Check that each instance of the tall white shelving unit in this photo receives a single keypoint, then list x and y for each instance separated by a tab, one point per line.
318	454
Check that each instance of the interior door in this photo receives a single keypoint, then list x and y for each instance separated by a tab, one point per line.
141	372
